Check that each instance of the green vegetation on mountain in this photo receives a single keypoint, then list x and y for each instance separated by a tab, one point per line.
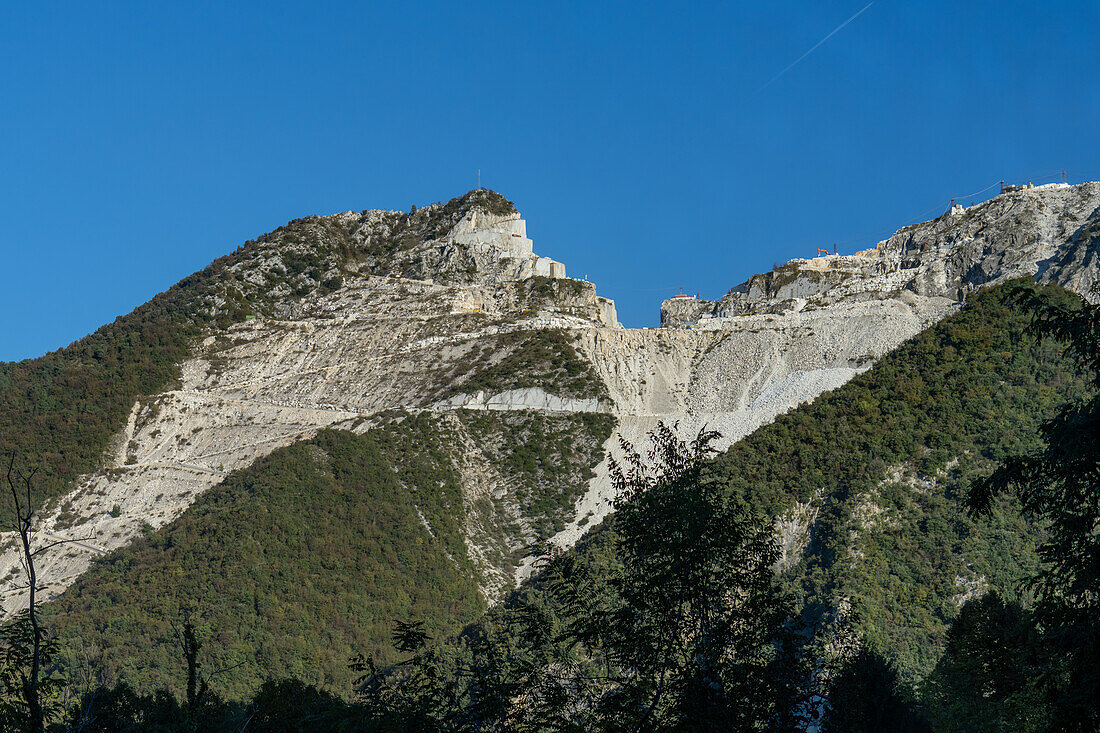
887	460
547	359
306	558
691	632
294	564
60	410
539	289
549	459
1011	666
670	615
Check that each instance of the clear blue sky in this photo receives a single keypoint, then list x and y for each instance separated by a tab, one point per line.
142	140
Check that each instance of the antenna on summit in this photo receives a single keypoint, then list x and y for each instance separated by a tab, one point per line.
478	179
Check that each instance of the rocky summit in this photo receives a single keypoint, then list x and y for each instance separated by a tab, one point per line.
338	321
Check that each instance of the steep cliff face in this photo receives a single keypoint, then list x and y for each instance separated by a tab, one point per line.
337	320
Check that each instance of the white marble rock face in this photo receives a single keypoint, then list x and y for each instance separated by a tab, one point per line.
507	233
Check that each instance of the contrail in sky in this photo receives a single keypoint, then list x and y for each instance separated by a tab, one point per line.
815	47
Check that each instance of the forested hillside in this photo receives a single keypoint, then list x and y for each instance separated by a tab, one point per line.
677	613
304	559
885	463
291	480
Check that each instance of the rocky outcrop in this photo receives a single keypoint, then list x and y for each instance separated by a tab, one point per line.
784	337
509	254
736	378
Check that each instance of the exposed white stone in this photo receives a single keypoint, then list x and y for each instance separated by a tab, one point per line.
507	233
528	398
505	237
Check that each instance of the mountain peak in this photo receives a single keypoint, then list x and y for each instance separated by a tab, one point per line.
483	199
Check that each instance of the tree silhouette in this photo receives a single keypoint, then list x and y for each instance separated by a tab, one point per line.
27	645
